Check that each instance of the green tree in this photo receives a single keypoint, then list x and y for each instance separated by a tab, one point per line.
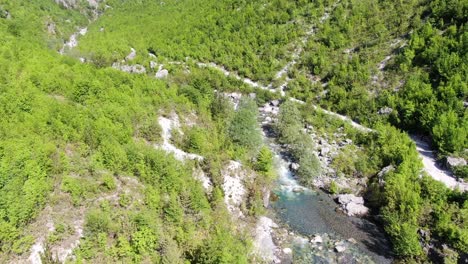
244	129
450	133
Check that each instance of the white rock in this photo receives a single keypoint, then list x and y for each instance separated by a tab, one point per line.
349	198
233	187
324	151
316	239
167	125
353	209
131	55
385	110
161	74
287	251
200	175
353	205
298	189
455	162
294	166
340	248
263	241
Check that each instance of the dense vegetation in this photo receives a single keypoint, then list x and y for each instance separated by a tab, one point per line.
424	85
73	133
250	37
415	209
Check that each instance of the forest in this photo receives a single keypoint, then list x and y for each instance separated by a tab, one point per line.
72	133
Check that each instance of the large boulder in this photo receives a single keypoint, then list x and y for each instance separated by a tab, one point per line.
352	205
353	209
453	162
345	199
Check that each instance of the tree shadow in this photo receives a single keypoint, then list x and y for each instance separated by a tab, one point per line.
377	242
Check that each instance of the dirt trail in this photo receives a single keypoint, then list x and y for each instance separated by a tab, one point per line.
431	167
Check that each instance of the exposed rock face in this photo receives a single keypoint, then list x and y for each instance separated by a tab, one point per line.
167	126
453	162
200	175
350	198
340	247
162	74
263	242
93	3
266	197
352	204
73	41
233	187
153	64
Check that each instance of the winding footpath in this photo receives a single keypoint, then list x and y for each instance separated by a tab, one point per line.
427	155
431	167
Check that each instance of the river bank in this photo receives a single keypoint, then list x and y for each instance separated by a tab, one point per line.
318	231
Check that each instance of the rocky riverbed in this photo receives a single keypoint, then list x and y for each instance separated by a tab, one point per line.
311	227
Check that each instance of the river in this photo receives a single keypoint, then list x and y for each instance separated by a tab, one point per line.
310	212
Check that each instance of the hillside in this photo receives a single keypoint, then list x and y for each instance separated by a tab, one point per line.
193	131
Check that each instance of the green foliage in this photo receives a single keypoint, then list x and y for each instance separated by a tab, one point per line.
124	200
150	130
108	182
333	188
264	160
144	241
97	221
406	239
289	122
222	249
247	37
449	133
78	188
243	129
76	126
461	172
289	127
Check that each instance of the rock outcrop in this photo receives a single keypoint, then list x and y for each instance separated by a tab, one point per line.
263	241
453	162
233	187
